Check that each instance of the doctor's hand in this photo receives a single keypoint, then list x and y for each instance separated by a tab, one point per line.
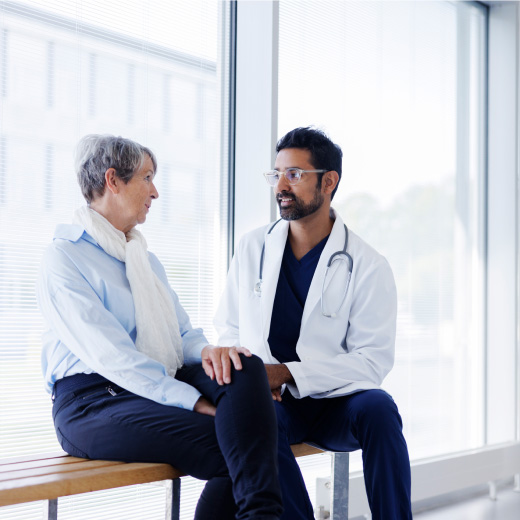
277	394
216	361
278	375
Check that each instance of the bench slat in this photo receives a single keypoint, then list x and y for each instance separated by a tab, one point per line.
6	469
46	477
301	450
55	485
33	458
57	468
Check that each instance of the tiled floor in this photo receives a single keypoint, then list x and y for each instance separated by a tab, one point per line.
506	507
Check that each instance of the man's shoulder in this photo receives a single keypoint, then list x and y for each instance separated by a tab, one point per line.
258	235
261	231
361	245
251	243
356	245
365	254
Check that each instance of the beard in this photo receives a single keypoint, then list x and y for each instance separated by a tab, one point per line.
298	208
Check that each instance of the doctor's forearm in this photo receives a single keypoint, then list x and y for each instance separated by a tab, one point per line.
278	375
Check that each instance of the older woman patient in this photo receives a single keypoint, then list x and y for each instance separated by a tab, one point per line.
130	378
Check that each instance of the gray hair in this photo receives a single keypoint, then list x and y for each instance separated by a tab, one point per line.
95	154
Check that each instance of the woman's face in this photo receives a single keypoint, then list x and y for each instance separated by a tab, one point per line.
136	196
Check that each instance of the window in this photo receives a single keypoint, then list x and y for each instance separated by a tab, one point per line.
3	62
401	87
156	73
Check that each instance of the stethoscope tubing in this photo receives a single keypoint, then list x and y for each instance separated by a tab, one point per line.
350	261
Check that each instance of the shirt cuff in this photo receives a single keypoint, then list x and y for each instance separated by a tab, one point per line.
193	355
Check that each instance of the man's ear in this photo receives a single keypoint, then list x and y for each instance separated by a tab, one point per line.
330	181
112	181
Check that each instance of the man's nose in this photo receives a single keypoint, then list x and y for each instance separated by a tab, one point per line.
282	183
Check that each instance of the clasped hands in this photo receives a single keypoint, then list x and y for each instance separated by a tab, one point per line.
216	362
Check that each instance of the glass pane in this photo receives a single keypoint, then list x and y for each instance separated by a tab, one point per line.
155	72
400	86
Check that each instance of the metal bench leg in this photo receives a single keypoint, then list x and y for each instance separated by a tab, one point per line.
173	499
492	490
339	508
51	509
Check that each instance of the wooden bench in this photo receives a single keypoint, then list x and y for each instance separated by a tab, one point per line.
50	476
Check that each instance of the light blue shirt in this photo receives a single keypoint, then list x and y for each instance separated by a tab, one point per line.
85	298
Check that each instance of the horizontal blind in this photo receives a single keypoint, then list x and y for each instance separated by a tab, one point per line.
401	87
155	71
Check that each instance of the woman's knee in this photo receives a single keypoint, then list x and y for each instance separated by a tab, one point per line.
252	378
252	368
252	362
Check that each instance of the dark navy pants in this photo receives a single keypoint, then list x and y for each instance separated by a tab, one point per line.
236	451
368	420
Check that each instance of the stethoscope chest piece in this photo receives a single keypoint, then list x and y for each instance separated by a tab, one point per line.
258	288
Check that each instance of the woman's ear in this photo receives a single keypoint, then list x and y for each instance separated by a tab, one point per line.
112	181
330	181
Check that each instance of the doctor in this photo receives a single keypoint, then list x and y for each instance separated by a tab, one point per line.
318	305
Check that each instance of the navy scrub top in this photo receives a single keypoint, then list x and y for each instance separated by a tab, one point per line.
291	292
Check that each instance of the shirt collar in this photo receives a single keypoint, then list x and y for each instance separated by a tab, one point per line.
73	233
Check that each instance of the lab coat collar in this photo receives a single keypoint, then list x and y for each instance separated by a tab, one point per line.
274	247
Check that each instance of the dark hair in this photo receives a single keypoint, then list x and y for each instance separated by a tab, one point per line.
325	155
95	154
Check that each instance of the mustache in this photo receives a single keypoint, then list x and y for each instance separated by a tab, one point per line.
284	195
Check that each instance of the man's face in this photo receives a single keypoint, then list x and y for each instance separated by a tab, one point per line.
297	201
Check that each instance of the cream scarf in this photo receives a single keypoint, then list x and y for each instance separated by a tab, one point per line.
158	333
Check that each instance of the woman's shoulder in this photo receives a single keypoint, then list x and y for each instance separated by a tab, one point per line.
71	244
68	232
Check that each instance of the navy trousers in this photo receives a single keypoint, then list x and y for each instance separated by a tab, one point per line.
368	420
235	451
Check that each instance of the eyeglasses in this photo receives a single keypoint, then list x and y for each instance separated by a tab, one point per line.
292	175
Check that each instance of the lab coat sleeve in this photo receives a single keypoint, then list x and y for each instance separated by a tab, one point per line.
227	317
366	353
92	333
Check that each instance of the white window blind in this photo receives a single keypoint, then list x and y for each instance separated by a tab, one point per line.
156	71
401	87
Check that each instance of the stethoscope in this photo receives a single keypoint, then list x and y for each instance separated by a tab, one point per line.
338	255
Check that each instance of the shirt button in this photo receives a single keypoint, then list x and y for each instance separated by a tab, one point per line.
163	399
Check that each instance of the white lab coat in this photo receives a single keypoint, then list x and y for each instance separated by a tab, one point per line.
338	356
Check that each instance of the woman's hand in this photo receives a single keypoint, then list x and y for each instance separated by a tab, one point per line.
216	361
205	407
